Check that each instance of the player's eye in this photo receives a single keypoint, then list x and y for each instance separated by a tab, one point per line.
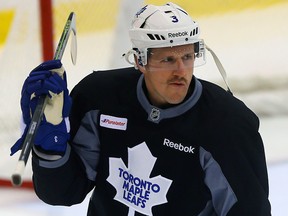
168	60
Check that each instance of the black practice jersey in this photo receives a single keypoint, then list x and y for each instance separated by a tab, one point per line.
203	157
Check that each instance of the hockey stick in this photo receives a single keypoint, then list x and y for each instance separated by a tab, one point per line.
38	114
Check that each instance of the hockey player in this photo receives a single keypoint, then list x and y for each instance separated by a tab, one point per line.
150	139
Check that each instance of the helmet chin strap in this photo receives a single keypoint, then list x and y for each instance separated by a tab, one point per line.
220	68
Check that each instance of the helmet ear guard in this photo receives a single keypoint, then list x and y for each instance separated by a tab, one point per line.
139	54
200	54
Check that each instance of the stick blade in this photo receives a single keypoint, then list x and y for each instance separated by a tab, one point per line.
73	49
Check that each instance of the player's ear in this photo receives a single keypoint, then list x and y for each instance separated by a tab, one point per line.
139	65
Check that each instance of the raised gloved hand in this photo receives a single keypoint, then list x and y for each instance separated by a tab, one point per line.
49	78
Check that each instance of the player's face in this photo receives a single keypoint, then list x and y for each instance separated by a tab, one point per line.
168	74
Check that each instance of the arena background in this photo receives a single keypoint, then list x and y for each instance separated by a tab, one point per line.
249	37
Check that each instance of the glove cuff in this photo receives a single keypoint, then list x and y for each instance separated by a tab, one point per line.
44	156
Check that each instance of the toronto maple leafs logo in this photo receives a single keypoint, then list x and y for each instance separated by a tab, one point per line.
134	186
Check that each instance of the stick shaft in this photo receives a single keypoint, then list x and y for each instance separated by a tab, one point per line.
38	113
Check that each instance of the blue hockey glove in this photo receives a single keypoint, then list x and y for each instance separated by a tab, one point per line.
49	78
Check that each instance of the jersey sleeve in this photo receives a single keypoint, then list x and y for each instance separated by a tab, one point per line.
68	180
250	178
233	156
240	155
57	182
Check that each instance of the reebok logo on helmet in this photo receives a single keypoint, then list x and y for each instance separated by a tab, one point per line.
178	34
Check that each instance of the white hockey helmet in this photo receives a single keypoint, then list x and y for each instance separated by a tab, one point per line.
163	26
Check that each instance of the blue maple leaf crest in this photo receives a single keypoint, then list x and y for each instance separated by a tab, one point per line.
134	187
